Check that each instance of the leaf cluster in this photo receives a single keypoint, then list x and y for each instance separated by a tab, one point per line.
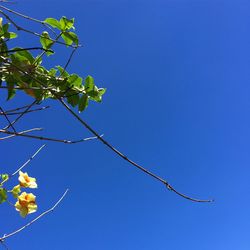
22	70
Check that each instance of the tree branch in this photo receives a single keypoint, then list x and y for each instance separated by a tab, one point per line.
112	148
25	49
4	237
12	134
30	111
27	162
23	134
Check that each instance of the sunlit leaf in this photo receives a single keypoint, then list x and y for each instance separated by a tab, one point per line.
53	23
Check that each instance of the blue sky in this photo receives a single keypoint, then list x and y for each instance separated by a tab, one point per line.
177	102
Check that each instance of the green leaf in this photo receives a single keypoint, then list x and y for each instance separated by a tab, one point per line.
24	54
12	35
89	83
52	72
73	99
83	103
46	42
63	72
3	195
70	37
101	91
11	90
15	191
94	95
66	24
4	177
5	28
75	80
53	23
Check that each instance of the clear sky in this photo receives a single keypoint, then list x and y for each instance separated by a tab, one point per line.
177	102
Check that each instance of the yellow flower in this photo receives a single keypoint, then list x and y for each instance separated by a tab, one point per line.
26	181
26	204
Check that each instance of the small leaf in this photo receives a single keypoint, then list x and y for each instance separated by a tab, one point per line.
12	35
52	72
101	91
4	177
83	103
53	23
46	42
94	95
5	28
73	99
75	80
11	90
26	54
89	83
66	24
63	72
70	37
15	191
3	195
67	39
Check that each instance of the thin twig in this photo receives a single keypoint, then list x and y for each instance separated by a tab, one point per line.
34	220
6	116
29	18
12	134
126	158
25	49
23	134
69	60
30	111
22	114
28	161
26	88
21	15
16	109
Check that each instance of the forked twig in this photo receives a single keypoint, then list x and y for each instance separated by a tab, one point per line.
12	134
8	120
4	237
23	134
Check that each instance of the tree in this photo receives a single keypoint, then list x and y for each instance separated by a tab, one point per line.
22	69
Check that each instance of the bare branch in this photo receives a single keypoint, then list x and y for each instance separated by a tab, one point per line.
30	111
22	114
69	60
23	134
12	134
4	237
16	109
28	161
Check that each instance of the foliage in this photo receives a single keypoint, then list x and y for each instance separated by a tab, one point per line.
21	70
